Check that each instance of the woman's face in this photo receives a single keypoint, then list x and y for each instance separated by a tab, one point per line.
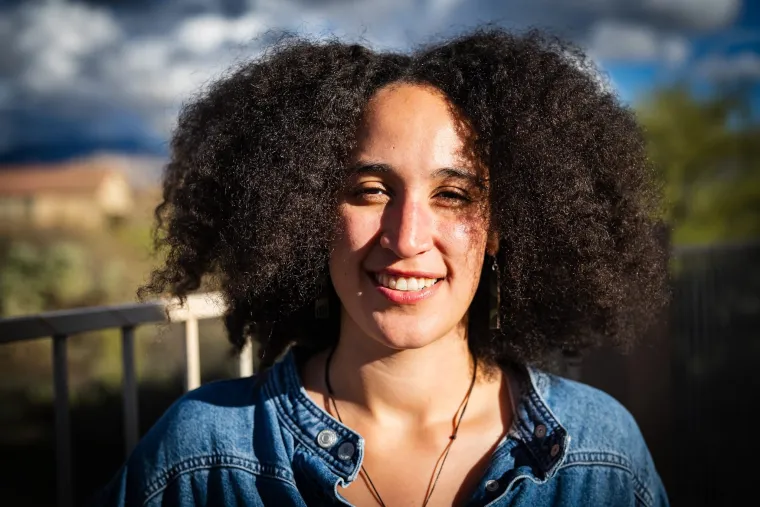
412	236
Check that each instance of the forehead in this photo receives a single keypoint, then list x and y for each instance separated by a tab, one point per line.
410	124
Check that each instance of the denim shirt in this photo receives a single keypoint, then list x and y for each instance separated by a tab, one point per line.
263	441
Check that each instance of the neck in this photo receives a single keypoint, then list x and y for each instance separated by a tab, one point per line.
418	386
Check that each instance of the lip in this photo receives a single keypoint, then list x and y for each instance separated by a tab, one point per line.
406	297
409	274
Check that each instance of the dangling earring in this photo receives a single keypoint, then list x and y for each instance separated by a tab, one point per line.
494	322
322	304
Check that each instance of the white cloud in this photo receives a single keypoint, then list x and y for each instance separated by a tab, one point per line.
613	40
150	59
54	39
154	74
675	50
676	14
699	14
210	32
721	68
441	8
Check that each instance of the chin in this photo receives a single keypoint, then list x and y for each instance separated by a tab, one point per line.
406	337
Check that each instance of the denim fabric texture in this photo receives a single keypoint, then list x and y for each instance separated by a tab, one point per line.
262	441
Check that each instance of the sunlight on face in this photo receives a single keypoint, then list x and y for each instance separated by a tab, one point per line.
412	236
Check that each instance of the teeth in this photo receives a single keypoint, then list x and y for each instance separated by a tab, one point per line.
404	283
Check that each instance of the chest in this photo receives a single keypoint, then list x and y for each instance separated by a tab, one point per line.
403	473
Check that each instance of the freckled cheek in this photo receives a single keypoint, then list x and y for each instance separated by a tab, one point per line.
463	240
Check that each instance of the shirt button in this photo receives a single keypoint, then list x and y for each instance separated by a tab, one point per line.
492	485
327	438
346	451
540	431
554	450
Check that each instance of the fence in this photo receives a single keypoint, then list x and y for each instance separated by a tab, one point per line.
60	325
715	343
691	384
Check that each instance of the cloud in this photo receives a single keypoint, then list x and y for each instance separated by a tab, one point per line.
615	41
53	42
83	62
669	15
743	66
694	14
207	33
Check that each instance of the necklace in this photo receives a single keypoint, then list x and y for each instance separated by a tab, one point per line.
445	454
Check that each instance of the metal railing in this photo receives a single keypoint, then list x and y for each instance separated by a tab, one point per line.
60	325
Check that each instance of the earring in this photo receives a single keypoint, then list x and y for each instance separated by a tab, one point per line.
494	322
322	304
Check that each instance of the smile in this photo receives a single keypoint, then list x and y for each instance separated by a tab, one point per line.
403	283
406	290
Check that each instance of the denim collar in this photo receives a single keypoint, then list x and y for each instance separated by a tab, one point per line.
533	422
342	449
310	424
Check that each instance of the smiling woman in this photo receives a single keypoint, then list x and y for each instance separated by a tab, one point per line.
407	238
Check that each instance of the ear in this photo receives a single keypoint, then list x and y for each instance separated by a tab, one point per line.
492	244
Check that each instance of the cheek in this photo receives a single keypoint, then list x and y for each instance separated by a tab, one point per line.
465	241
355	230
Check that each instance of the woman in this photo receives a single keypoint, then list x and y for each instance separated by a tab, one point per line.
406	238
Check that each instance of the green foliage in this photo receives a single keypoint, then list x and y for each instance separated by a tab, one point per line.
34	278
707	154
52	270
56	275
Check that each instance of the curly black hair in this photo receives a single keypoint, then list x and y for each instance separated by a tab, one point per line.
259	161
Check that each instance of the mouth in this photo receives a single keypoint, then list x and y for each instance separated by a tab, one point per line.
405	283
406	288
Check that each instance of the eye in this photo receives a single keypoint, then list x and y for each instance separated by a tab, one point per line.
374	193
452	196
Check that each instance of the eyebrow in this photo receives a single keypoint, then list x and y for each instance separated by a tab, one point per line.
444	172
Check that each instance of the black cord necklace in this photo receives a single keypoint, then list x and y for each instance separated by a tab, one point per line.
445	451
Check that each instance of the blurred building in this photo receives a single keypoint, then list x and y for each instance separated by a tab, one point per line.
91	194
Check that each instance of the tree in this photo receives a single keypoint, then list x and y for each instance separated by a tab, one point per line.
707	153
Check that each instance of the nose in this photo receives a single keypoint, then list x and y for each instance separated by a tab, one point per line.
407	228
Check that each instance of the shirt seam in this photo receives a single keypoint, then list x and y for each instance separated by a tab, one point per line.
611	459
189	465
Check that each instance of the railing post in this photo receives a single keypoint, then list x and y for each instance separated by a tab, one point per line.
245	361
62	422
129	389
192	354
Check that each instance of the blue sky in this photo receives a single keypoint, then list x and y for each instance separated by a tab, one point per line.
724	55
109	75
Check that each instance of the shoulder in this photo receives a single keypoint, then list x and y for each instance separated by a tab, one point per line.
603	433
591	416
204	419
209	427
210	412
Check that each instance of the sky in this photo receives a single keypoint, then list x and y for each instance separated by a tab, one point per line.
86	76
